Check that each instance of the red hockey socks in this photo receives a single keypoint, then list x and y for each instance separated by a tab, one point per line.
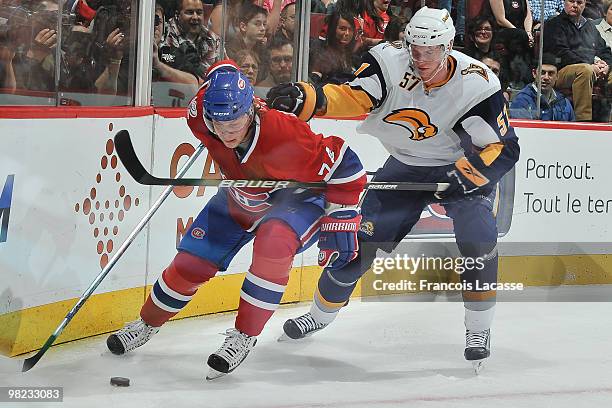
273	251
175	288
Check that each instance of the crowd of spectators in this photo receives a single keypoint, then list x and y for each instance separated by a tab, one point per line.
93	53
98	43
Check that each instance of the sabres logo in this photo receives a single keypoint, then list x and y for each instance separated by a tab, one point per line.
416	121
476	69
367	228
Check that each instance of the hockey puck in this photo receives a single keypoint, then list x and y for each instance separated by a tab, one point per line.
120	381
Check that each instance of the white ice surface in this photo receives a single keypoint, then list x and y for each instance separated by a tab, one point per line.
376	354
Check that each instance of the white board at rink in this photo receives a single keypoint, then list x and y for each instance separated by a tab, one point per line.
67	203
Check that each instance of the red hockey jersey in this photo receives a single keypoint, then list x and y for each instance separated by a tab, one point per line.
283	148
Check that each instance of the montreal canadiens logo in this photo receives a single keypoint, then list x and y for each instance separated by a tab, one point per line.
241	84
193	108
198	233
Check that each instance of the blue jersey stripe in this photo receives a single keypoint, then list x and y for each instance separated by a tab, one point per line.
259	293
166	299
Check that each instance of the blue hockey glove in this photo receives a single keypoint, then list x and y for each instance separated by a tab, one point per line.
465	179
338	243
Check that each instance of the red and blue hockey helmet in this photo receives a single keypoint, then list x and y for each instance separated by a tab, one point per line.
229	95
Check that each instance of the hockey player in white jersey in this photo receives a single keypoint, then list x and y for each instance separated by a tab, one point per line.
441	116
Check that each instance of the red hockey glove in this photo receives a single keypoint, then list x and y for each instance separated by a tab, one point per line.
338	243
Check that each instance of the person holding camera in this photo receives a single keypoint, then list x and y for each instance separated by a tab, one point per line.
163	70
189	46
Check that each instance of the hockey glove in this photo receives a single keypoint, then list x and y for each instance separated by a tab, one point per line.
465	179
338	243
300	98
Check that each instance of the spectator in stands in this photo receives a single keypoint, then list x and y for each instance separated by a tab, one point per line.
320	6
249	64
8	82
188	37
496	63
604	25
514	14
280	63
11	22
481	31
251	35
216	23
331	60
576	42
355	7
36	70
395	29
164	62
553	105
84	13
552	8
78	71
273	7
375	21
514	38
594	9
287	22
348	7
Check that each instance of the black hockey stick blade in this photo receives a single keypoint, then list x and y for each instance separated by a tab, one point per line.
30	362
129	158
127	155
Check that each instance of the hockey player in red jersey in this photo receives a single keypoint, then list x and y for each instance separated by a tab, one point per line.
249	141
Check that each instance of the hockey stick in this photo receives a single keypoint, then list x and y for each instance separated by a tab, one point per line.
130	160
31	361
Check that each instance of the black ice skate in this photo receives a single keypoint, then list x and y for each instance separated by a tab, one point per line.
301	327
232	352
133	335
477	347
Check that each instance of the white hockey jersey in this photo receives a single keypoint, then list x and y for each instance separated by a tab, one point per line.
422	126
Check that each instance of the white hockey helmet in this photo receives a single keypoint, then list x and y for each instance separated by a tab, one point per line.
430	27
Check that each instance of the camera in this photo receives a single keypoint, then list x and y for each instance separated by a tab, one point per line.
14	23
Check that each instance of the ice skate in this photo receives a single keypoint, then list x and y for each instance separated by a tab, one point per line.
300	327
133	335
477	348
231	354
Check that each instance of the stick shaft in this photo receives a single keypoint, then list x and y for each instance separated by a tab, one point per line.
30	362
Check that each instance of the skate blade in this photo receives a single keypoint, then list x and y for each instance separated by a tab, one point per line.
478	365
214	374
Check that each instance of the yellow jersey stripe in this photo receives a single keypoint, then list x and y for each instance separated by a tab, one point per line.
491	153
478	296
344	101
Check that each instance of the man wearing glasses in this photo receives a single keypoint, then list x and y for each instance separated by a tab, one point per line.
280	63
